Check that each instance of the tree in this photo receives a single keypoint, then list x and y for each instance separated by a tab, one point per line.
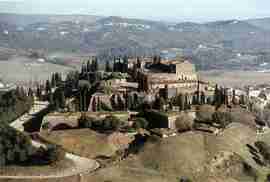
222	118
53	82
62	99
204	113
54	153
217	97
88	66
111	123
198	98
95	65
181	101
86	122
234	98
264	149
84	87
140	123
159	103
108	67
48	87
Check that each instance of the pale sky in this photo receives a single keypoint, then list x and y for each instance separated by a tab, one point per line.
170	10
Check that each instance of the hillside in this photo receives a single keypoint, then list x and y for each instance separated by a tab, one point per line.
197	155
262	23
211	45
25	20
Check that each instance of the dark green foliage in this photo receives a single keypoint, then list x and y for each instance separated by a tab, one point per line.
48	87
140	123
108	67
84	87
264	150
58	99
105	107
204	113
159	103
56	80
54	153
180	101
14	104
222	118
156	119
15	147
217	96
111	123
71	82
86	122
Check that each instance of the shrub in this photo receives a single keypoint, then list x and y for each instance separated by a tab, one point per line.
54	153
222	118
86	122
140	123
184	123
105	107
204	113
111	123
264	149
157	119
15	147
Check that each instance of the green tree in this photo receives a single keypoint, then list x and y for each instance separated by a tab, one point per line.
140	123
108	67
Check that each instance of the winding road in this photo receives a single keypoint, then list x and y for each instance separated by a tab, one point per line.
81	165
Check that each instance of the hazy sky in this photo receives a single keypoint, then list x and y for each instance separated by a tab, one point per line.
173	10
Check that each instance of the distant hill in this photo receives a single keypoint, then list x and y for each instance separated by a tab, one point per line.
262	23
25	19
210	44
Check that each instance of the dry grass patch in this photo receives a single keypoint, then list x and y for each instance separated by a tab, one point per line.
82	142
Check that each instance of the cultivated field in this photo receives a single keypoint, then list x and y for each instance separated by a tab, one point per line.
22	70
235	78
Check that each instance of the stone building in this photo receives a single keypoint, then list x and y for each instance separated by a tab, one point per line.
176	74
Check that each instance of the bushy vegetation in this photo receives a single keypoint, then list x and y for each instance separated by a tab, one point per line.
264	150
222	118
110	123
14	104
51	155
156	119
15	147
204	113
86	122
140	123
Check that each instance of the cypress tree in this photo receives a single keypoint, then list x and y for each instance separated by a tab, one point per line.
62	99
53	83
234	98
198	93
88	66
48	87
202	98
108	67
